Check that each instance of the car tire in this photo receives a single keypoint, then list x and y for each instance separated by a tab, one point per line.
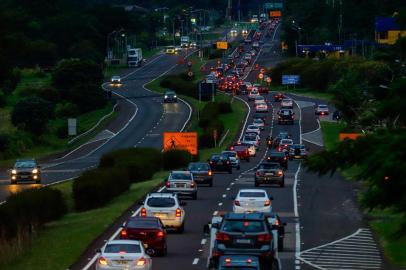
248	159
181	229
238	168
282	184
211	183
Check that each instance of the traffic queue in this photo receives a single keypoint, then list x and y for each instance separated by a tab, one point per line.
252	233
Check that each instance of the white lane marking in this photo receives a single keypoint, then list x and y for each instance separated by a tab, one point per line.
312	142
220	204
203	242
195	261
310	132
228	189
224	195
215	213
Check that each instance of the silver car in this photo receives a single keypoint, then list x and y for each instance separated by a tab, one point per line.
123	255
182	183
259	123
235	160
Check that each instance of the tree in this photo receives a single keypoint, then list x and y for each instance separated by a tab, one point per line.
32	114
87	96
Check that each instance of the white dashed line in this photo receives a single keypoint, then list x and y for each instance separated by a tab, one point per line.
195	261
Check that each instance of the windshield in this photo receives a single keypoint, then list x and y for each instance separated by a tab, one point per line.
252	194
126	248
161	202
268	166
252	127
181	176
25	164
322	106
285	141
198	167
258	121
249	138
229	154
142	223
243	226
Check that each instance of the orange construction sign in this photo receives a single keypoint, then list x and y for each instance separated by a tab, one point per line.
275	14
223	45
351	136
181	140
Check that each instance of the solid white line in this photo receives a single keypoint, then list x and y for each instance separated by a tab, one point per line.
195	261
228	189
310	132
220	204
312	142
224	195
215	213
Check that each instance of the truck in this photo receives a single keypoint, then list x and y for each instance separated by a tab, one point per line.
253	234
184	41
134	57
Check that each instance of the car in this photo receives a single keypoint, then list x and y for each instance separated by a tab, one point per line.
242	151
279	137
248	58
25	170
321	109
170	97
259	99
244	32
260	116
284	145
261	89
278	97
178	49
149	230
251	139
166	207
233	32
247	40
233	262
181	183
123	255
285	116
233	156
242	234
252	148
269	173
220	163
259	123
115	80
253	129
193	44
253	94
287	103
255	44
279	157
252	200
170	50
297	151
202	173
253	52
261	107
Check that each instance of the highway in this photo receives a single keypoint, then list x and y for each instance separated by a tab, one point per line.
140	124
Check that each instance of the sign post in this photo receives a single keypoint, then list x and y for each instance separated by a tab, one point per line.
72	124
215	135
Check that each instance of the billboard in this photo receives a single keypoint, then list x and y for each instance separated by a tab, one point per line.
290	79
180	140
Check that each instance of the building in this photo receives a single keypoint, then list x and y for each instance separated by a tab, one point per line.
387	31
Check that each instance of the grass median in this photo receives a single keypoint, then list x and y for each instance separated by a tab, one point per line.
61	243
305	92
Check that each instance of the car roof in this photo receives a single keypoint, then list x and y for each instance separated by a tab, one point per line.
119	241
244	216
251	190
200	162
181	172
25	160
143	218
162	195
170	92
276	153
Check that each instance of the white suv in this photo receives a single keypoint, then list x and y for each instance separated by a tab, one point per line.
167	208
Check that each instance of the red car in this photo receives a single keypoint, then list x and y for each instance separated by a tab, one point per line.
278	97
262	89
149	230
242	151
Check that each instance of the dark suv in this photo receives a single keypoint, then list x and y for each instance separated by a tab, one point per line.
201	172
220	163
243	234
25	170
285	116
279	157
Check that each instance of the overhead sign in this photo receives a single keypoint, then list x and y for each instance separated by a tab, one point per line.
180	140
290	79
222	45
275	14
351	136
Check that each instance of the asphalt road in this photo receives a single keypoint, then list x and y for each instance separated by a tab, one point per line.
140	124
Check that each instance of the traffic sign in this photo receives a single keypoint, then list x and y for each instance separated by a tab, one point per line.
180	140
275	14
222	45
290	79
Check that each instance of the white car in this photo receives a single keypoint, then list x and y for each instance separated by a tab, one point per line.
287	103
261	107
255	44
251	139
165	206
322	109
123	254
253	129
259	123
252	200
253	94
182	183
259	99
233	32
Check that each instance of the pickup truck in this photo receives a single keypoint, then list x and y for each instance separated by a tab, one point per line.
253	234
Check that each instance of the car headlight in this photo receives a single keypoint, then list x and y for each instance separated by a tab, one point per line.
166	96
174	96
35	171
14	171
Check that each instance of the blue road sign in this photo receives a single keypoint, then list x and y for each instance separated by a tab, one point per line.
290	79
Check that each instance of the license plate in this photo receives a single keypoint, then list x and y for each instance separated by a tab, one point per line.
243	241
121	262
24	176
297	156
160	215
269	174
180	185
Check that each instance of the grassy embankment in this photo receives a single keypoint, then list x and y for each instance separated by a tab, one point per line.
306	92
384	222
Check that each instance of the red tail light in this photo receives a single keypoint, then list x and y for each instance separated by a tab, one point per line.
142	261
168	184
277	222
222	236
143	212
210	173
102	261
123	234
178	212
280	173
267	203
236	202
160	234
264	237
258	173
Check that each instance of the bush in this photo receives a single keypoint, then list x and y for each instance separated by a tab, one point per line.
214	54
225	107
66	109
175	159
29	209
87	97
2	99
95	188
32	114
181	84
11	81
62	131
4	142
47	92
206	140
215	124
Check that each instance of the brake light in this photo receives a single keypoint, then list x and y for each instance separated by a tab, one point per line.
264	237
228	162
232	148
168	184
284	158
277	222
102	261
249	261
267	203
227	261
210	173
222	236
160	234
178	212
143	212
236	202
123	233
142	261
280	173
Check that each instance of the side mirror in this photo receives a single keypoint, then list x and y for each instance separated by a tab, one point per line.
271	198
182	203
215	225
98	250
206	228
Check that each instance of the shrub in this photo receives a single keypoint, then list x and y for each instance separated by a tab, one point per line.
32	114
225	107
66	109
2	99
215	124
46	92
215	54
4	142
97	187
87	97
175	159
11	81
206	140
62	131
